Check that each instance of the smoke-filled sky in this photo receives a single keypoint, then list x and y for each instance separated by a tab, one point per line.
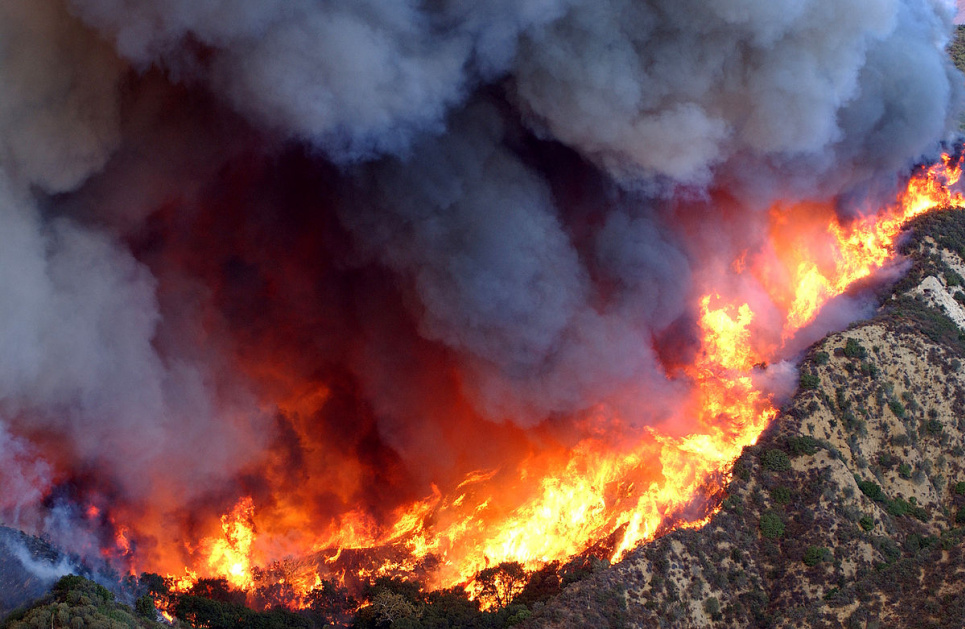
339	250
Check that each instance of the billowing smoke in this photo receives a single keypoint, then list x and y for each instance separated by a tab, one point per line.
332	252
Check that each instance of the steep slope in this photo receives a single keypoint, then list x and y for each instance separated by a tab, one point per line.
28	567
849	510
78	603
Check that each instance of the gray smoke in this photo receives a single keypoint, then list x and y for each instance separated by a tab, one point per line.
537	178
24	477
59	109
46	571
79	314
479	241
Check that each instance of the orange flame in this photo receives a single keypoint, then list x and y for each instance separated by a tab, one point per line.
230	556
817	257
559	501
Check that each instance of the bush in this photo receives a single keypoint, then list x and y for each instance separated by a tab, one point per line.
952	278
904	470
712	607
900	440
144	606
809	381
960	516
897	408
853	349
871	490
772	526
867	522
798	446
960	488
899	507
781	495
821	358
816	554
775	460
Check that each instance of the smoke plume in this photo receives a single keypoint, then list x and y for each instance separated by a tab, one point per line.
329	254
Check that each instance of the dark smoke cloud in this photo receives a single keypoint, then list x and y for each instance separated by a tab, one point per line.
497	278
457	218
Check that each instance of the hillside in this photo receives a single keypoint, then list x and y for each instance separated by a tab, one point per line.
78	603
28	567
850	509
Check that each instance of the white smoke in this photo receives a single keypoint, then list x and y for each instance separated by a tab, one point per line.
45	571
24	477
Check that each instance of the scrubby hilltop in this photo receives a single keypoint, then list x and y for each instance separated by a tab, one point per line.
850	510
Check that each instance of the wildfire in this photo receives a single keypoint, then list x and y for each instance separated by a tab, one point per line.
816	257
230	555
558	502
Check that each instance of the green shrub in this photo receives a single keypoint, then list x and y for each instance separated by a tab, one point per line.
897	408
871	490
772	526
775	460
904	470
853	349
952	278
809	381
900	440
960	516
816	554
144	606
867	522
804	445
781	495
712	607
821	358
898	507
960	488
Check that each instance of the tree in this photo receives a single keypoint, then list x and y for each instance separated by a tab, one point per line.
144	606
854	349
390	607
499	585
217	590
332	602
772	526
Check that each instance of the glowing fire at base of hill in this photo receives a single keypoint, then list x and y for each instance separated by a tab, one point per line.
597	497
